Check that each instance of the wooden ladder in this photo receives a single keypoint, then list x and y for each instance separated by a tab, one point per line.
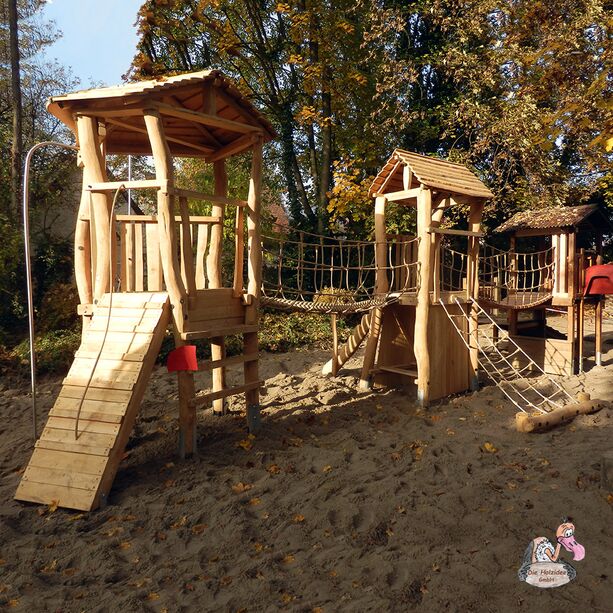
77	472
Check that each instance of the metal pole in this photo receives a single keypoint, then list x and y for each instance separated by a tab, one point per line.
26	240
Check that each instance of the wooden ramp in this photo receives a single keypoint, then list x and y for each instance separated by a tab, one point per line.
77	473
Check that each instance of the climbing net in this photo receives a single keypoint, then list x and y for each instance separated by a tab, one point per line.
507	365
321	274
515	279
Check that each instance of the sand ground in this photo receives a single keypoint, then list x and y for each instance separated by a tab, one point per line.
343	502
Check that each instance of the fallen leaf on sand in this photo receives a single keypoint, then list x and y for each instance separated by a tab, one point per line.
333	573
273	469
169	483
241	487
52	508
153	596
450	432
489	447
247	443
2	562
436	418
125	545
417	453
395	456
298	518
254	502
50	568
199	528
179	523
317	610
225	580
14	602
258	547
327	468
287	598
610	498
288	559
69	572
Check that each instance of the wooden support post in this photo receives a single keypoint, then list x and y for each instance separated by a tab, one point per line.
213	271
581	332
93	171
333	321
254	286
382	285
474	225
422	310
164	173
598	329
570	337
239	252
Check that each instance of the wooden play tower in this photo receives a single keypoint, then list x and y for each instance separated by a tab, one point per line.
168	268
413	338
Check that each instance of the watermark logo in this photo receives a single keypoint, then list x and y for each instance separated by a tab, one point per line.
541	565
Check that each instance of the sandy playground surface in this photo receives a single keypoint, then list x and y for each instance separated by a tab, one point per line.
343	502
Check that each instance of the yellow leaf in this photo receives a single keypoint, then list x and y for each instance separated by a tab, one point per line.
77	516
180	523
609	144
199	528
327	468
241	487
258	547
287	598
53	506
14	602
489	447
417	453
273	469
450	432
50	568
610	498
254	502
298	519
125	545
153	596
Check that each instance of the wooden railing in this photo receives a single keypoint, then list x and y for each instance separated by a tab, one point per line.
138	261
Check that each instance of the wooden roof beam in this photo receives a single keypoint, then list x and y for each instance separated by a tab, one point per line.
206	119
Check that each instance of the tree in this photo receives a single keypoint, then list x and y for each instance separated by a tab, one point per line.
17	148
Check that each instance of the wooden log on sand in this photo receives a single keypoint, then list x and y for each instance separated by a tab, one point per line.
539	423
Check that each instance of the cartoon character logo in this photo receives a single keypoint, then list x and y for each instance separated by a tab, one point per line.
541	566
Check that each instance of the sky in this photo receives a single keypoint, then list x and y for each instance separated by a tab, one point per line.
99	38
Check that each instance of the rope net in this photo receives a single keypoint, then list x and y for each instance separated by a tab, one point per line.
515	279
323	274
507	365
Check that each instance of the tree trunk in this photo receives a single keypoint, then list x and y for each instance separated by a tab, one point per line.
17	146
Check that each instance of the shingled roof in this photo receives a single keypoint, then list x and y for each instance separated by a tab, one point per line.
437	174
553	217
120	107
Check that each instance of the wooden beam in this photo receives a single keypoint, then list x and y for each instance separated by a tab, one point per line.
195	219
217	198
172	139
405	194
435	230
237	146
111	186
207	119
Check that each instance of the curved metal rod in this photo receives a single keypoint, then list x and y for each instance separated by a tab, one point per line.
26	241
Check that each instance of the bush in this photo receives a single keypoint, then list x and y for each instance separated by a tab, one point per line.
54	351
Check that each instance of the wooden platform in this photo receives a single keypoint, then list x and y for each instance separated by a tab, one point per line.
77	471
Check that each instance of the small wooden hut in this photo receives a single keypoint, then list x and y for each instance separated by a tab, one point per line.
572	236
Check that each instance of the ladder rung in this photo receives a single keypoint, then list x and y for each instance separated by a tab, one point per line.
231	391
190	336
235	359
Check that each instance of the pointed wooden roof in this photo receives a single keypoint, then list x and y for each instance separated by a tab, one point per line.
182	101
439	175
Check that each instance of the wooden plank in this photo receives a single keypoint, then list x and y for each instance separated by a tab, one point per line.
120	312
189	336
225	393
215	324
236	359
139	267
88	439
94	393
187	250
201	253
65	478
90	351
75	447
155	280
104	364
405	194
234	308
85	425
99	382
97	406
71	498
239	252
85	414
66	460
123	324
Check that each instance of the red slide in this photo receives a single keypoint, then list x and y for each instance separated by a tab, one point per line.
598	280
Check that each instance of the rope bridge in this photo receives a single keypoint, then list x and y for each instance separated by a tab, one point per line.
514	279
502	361
322	274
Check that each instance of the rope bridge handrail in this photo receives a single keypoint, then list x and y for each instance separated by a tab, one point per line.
520	280
314	273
